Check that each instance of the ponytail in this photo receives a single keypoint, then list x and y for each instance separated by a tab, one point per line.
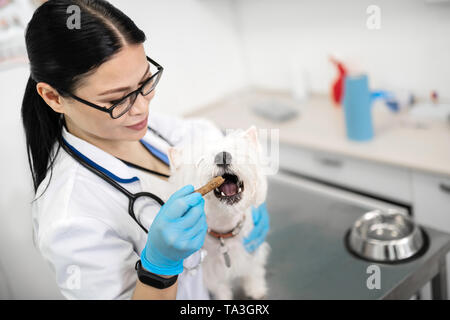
42	130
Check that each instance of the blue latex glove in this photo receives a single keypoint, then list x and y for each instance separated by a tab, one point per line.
179	230
259	232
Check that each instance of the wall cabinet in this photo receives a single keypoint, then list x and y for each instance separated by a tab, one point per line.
392	183
431	200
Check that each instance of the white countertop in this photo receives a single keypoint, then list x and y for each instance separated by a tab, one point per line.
320	125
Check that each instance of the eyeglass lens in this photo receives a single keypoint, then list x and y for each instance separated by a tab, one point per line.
123	106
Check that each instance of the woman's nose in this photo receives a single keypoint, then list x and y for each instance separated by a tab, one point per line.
141	104
222	159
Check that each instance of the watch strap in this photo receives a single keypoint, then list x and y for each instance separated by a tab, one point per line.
153	279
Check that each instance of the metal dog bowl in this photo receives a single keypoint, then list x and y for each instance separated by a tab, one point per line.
385	236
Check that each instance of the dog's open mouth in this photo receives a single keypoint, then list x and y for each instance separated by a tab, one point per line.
231	190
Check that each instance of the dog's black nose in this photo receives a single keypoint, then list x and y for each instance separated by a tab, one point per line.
222	159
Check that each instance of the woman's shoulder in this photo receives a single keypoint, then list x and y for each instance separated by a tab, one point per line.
69	192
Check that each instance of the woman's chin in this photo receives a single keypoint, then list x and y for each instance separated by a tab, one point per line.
132	135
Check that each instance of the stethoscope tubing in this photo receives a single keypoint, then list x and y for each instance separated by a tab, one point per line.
131	197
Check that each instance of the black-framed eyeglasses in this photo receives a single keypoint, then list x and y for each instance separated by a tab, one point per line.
120	107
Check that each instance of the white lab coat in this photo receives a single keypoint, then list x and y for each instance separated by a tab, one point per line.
82	227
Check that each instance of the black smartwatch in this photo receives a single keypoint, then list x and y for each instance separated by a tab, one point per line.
152	279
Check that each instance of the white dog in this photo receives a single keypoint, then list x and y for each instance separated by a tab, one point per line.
237	158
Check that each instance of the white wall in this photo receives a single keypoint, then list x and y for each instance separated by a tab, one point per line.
196	43
410	51
20	263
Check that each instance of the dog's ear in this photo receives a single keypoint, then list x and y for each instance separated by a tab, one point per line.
252	134
175	157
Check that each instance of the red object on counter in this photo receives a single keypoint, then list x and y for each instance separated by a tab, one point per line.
337	89
434	97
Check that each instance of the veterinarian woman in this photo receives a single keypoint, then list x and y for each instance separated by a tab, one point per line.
92	146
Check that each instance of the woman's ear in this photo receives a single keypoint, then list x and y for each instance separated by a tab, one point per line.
51	96
252	135
175	157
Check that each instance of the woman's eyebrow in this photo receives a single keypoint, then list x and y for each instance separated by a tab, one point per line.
124	88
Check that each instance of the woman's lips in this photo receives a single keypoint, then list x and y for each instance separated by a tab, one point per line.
139	125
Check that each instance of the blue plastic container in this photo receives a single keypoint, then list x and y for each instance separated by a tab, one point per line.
357	104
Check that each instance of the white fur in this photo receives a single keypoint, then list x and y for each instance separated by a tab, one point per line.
194	164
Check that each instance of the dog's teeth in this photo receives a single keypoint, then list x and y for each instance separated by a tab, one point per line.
217	189
240	190
222	194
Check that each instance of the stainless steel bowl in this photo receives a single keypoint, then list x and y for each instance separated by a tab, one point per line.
385	236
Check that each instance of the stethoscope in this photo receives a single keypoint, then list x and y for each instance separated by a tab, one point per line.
134	199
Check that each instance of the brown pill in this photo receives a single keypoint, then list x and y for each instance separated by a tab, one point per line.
211	185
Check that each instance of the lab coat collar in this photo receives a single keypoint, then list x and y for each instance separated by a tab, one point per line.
156	145
107	163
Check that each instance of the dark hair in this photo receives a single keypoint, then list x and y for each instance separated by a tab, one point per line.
61	57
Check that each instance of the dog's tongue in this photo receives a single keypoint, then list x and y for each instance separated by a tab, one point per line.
229	188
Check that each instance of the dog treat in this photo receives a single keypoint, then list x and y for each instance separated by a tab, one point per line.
211	185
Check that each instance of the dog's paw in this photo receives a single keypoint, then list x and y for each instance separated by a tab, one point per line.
260	294
264	297
223	292
255	289
224	296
